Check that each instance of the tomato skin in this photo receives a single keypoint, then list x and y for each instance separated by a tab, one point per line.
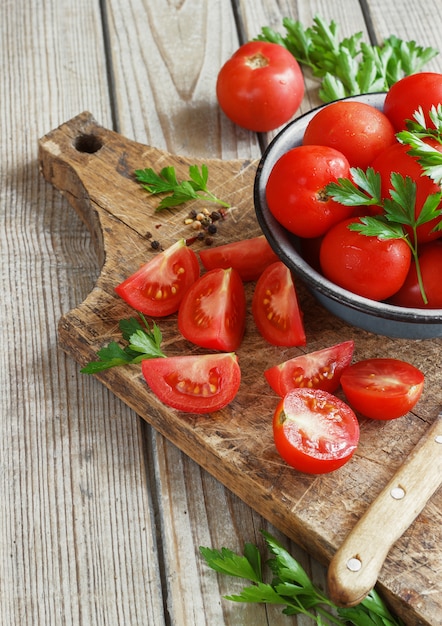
382	389
249	257
320	369
430	261
314	431
212	313
275	307
396	159
157	288
295	189
423	89
358	130
194	383
261	86
356	262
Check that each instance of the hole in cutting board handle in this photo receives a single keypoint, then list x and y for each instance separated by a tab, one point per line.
88	143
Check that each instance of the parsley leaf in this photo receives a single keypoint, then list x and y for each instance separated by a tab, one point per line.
292	588
143	343
429	157
348	67
179	192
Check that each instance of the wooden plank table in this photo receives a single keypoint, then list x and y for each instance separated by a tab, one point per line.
101	517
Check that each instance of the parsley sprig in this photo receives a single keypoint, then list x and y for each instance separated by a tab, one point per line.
178	192
399	211
350	66
417	132
142	343
292	588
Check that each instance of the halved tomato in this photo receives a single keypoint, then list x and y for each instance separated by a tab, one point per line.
212	314
382	389
321	369
314	431
194	383
276	309
249	257
157	288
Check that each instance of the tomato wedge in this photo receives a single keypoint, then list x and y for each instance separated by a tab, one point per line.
321	369
194	383
382	389
314	431
158	287
212	314
249	257
275	307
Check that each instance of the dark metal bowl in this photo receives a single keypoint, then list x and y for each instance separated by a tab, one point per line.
377	317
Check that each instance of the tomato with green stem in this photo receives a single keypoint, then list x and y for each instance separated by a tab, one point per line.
314	431
194	383
157	288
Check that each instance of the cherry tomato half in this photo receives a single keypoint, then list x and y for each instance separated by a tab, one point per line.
212	313
275	307
382	389
314	431
249	257
158	287
430	262
423	89
358	130
261	86
365	265
321	369
295	190
194	383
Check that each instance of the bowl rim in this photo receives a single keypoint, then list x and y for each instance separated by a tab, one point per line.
284	243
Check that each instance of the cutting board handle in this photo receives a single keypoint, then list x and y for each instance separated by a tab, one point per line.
354	569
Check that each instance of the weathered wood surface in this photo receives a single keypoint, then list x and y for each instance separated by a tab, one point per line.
101	517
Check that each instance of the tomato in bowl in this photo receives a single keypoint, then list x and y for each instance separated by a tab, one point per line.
380	317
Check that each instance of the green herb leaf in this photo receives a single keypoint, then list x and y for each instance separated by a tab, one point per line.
227	562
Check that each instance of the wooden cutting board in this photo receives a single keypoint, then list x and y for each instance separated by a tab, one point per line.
93	168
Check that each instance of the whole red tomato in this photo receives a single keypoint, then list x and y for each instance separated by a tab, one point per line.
408	94
261	86
295	190
368	266
358	130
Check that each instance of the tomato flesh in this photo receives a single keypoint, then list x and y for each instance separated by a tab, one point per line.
157	288
194	383
249	257
321	369
382	389
212	313
275	307
314	431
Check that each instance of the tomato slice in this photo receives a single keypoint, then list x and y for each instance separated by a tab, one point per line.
249	257
314	431
158	287
382	389
275	307
321	369
194	383
212	314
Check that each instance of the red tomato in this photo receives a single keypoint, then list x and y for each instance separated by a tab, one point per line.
321	369
295	189
368	266
408	94
396	159
194	383
358	130
275	307
158	287
430	261
212	313
249	257
314	431
261	86
382	389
